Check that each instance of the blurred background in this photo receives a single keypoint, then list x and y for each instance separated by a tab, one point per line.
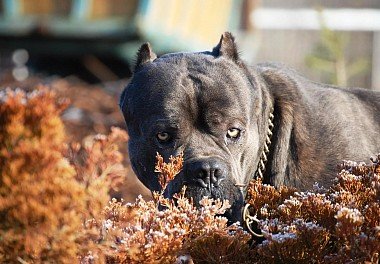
85	49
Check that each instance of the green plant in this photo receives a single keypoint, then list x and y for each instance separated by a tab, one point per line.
330	58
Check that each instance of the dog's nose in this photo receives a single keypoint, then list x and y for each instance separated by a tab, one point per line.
206	172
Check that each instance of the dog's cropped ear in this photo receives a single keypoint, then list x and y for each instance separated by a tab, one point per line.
144	55
227	47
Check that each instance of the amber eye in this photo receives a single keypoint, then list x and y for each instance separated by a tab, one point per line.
163	137
233	133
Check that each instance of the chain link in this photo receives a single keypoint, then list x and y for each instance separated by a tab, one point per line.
264	154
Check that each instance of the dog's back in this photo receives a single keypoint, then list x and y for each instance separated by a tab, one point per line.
322	125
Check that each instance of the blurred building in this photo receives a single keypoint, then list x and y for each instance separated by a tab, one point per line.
100	37
289	31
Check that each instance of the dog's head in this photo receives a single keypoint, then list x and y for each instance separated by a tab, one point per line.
206	105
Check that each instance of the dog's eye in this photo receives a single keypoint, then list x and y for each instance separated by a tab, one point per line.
163	137
233	133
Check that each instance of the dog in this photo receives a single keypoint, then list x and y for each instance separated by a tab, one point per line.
235	122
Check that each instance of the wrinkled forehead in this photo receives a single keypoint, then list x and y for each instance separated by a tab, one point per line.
174	82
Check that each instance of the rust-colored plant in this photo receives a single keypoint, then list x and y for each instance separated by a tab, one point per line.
220	246
39	197
44	200
167	171
335	225
99	166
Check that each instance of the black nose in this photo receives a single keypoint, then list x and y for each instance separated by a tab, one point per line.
206	172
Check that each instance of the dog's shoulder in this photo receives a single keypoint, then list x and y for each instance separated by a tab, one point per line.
287	78
285	83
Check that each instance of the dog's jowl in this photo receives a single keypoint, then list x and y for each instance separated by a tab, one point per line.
234	122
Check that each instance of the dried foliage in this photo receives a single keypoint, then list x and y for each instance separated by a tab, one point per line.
336	225
98	166
221	247
167	171
44	200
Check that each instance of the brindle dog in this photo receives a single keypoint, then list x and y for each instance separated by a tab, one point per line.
216	110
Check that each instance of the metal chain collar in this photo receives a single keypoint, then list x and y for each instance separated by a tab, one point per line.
264	154
252	222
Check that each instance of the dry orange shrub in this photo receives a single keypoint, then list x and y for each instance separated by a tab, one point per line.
99	166
336	225
167	171
44	200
